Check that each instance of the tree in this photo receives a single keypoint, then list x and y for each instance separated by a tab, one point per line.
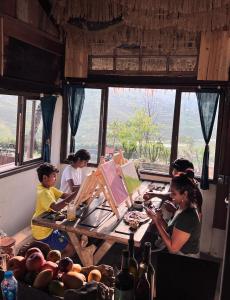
134	134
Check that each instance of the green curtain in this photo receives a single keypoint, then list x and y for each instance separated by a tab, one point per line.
47	105
76	96
207	104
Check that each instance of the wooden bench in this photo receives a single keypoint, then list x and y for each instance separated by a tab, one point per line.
22	237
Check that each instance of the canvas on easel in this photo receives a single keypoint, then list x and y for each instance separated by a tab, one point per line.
88	190
112	186
118	158
130	177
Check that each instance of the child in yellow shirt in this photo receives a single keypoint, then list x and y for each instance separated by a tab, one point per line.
47	196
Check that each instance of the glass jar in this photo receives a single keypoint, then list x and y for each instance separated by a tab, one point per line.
71	212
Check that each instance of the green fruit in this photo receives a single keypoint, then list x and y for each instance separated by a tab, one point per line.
56	288
43	279
54	255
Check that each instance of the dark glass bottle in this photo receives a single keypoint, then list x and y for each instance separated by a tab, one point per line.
133	266
146	264
143	290
124	283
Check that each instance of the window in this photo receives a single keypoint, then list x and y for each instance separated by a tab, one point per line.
8	128
33	130
20	131
191	142
140	122
144	124
88	131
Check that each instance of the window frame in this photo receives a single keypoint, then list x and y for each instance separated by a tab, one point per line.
64	151
175	130
19	164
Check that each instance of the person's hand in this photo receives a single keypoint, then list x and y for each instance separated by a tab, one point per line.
169	206
159	213
152	215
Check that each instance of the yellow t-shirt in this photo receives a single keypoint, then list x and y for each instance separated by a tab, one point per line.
45	197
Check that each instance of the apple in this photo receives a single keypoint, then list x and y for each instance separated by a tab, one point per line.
32	250
35	261
49	265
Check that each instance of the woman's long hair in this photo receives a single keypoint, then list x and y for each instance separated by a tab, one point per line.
185	183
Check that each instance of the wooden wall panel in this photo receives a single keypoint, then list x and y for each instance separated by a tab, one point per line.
1	46
222	188
26	33
29	54
214	57
8	7
31	12
76	55
26	62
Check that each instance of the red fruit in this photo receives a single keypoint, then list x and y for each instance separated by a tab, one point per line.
65	264
49	265
17	265
15	262
31	251
35	261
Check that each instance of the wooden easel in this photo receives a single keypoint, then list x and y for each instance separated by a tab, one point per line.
119	159
93	185
104	189
107	191
88	190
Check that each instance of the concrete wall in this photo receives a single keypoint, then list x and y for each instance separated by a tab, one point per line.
17	192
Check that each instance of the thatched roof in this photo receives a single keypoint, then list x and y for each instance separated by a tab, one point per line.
159	27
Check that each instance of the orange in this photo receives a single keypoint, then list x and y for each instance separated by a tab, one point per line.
94	275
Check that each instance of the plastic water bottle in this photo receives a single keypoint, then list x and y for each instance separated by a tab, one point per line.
9	286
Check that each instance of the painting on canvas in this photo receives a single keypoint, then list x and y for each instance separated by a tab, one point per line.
114	182
130	176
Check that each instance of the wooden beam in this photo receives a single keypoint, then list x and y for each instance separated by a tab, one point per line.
175	129
28	34
214	58
185	83
1	47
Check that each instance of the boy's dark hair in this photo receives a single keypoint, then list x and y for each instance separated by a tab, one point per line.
81	154
46	169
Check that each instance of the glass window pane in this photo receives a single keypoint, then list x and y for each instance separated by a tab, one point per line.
33	130
191	142
140	123
8	125
88	130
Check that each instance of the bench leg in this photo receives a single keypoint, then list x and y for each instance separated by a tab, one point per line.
85	254
102	250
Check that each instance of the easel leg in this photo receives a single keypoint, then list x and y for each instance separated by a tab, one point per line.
102	250
85	254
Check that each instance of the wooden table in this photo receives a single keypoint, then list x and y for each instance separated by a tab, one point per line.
91	255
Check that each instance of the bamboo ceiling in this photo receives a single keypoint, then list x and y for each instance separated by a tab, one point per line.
165	27
142	22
